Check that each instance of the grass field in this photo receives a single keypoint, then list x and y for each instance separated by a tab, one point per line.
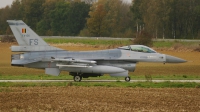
103	84
189	70
113	97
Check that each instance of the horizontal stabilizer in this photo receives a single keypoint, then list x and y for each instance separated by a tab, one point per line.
33	48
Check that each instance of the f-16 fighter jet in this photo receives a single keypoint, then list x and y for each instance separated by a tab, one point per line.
82	64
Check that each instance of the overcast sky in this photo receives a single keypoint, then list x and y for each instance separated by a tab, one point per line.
3	3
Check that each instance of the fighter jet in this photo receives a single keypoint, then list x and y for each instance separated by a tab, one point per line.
36	53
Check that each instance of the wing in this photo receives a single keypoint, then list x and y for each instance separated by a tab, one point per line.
73	62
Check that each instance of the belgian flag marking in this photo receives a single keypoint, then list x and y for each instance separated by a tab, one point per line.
23	30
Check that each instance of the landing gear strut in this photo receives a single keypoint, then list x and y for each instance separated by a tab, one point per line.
127	79
77	78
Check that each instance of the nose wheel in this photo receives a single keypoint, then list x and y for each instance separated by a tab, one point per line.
127	79
77	78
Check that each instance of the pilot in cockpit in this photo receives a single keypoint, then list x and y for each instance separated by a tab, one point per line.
138	48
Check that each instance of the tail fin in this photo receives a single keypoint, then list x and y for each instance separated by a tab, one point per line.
25	35
27	39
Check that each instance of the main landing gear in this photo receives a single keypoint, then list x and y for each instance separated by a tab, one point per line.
77	78
127	79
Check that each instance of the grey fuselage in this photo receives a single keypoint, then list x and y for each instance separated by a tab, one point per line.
125	59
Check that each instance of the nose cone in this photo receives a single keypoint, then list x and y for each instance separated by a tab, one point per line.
172	59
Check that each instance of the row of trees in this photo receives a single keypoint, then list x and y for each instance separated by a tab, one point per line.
114	18
168	18
47	17
70	17
109	18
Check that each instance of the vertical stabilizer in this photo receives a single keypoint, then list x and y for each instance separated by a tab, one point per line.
27	39
24	34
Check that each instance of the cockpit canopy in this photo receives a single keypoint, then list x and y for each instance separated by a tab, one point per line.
138	48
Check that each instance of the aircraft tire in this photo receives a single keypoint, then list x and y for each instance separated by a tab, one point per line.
77	78
127	79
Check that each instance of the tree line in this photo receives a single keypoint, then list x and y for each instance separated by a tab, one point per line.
168	18
111	18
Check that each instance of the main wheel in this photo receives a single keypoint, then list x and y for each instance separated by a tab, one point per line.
127	79
77	78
